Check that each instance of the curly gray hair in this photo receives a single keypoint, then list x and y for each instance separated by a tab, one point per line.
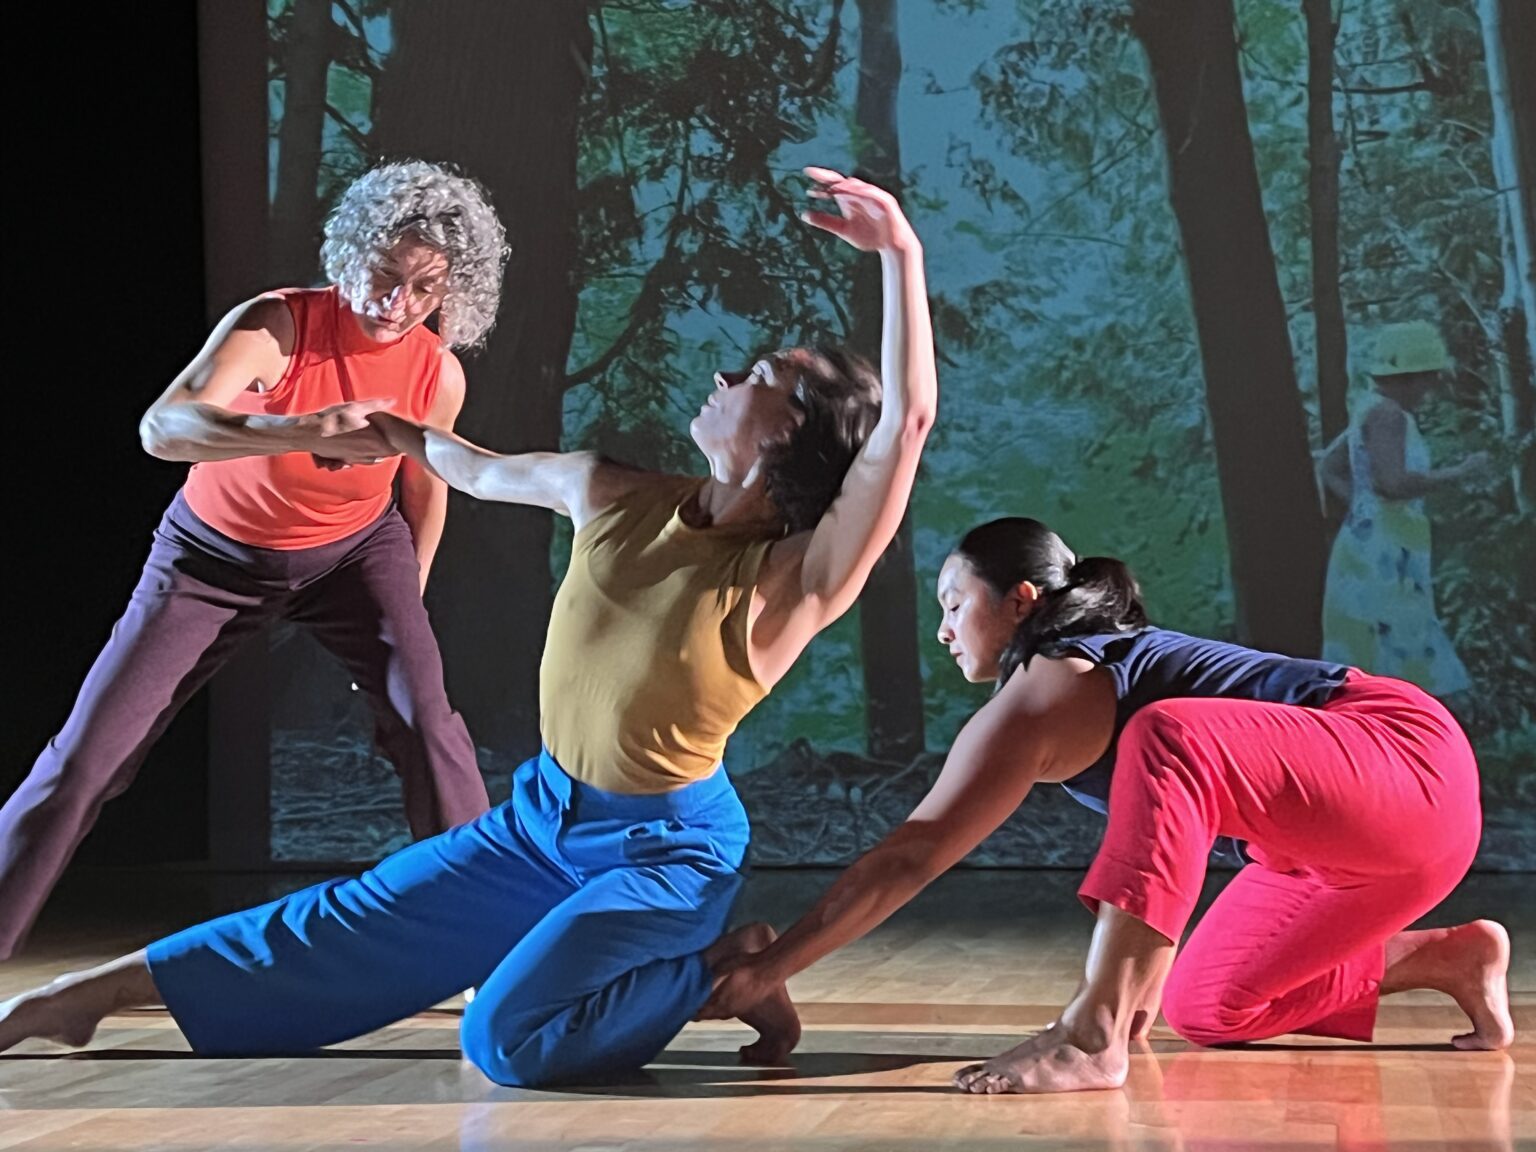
450	212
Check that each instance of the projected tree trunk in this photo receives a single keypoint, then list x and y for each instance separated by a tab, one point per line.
1508	29
1274	532
1323	205
304	56
893	683
495	88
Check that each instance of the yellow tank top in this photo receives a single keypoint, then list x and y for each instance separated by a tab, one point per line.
645	671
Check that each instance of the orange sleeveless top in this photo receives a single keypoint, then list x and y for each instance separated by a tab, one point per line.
288	501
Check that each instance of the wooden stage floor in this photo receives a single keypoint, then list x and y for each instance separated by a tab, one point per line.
980	959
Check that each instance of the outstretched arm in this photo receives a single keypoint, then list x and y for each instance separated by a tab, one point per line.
1049	722
822	572
574	484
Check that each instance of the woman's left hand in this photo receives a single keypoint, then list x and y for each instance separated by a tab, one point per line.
871	220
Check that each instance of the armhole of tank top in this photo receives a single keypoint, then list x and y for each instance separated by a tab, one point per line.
628	504
297	314
1115	669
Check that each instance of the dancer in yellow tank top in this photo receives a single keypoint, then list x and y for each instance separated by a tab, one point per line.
588	909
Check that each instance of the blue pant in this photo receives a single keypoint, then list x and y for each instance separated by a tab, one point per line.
579	915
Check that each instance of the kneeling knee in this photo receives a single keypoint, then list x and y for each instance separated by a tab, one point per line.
1206	1014
1209	1017
510	1057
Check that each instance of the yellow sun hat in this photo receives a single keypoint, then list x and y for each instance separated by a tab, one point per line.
1414	346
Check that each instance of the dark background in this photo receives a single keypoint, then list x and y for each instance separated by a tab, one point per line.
106	297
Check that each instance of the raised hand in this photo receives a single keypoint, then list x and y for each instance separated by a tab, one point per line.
871	219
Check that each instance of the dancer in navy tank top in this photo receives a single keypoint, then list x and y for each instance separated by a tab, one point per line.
1352	798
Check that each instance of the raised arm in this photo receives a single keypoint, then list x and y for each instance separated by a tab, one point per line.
831	562
1049	722
249	351
811	579
863	519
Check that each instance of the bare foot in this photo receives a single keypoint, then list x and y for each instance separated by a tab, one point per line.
1470	963
1047	1062
69	1008
51	1012
1141	1023
775	1018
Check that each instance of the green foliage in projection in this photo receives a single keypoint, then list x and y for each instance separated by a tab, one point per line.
1072	385
357	46
1072	380
1086	307
1419	236
692	258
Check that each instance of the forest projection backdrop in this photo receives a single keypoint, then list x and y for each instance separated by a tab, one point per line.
1160	234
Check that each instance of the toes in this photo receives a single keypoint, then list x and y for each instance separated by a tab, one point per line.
1475	1042
964	1078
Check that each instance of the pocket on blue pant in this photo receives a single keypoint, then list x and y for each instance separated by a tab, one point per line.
676	841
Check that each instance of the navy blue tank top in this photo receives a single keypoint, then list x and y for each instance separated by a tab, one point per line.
1153	664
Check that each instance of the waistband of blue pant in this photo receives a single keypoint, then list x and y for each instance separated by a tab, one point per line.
597	803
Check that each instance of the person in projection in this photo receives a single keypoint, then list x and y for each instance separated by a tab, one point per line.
1356	796
587	911
1379	608
289	512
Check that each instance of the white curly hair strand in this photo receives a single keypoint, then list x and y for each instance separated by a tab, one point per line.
442	208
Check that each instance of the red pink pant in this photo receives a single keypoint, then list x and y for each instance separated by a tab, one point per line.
1360	817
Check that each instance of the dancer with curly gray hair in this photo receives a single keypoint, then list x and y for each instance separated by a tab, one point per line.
289	512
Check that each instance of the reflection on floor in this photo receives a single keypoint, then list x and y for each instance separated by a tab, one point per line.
981	958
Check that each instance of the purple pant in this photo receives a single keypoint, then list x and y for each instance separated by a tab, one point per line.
201	595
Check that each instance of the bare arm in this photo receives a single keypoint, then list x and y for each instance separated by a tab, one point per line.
249	350
1385	434
1334	469
813	579
423	496
1049	723
574	484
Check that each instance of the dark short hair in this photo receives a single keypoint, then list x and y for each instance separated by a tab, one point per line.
839	393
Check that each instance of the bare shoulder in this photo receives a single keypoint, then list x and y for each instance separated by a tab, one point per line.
448	400
249	349
608	481
451	380
1383	419
1068	706
266	316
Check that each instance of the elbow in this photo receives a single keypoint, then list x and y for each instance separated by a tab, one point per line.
155	439
472	481
917	856
916	425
